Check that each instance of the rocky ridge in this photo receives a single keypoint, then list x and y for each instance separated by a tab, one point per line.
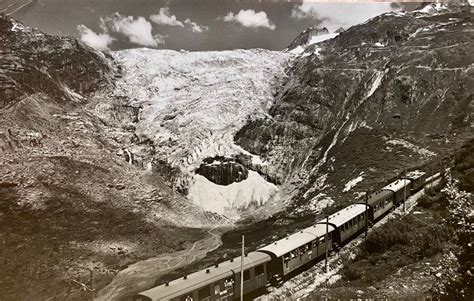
382	96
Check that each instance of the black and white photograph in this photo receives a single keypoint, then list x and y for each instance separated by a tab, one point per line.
231	150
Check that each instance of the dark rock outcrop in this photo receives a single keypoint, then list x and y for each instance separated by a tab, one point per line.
222	171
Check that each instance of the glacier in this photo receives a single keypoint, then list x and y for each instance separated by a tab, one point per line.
192	104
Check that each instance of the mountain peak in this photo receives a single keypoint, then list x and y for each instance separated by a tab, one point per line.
306	36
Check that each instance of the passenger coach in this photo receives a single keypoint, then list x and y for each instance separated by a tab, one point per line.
294	251
220	282
347	222
380	202
417	179
401	190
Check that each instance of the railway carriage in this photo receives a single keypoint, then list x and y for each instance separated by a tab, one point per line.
380	202
218	283
296	250
347	222
400	189
417	179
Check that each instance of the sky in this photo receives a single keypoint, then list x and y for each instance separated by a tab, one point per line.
189	24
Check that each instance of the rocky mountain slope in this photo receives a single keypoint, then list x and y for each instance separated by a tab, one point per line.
70	202
382	96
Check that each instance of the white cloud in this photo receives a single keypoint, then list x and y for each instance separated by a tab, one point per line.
250	18
194	27
164	17
335	15
137	30
99	41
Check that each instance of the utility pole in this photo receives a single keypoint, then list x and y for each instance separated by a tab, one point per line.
326	267
366	214
4	246
242	270
428	176
404	189
91	281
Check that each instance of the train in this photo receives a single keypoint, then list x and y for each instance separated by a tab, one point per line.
273	263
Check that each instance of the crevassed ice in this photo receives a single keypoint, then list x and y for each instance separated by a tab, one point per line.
193	103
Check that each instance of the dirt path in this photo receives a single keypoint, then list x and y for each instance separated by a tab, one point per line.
143	274
308	281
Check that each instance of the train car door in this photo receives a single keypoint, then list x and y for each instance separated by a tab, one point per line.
260	275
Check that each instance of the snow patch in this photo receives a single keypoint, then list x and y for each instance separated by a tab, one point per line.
228	200
17	27
319	184
298	50
422	151
352	183
302	50
317	204
431	8
74	96
376	83
321	38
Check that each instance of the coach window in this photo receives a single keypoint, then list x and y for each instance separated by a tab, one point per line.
259	270
302	250
246	275
294	253
204	293
228	282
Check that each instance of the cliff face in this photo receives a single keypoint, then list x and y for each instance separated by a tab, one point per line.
384	95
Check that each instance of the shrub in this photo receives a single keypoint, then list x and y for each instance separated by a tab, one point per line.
398	243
